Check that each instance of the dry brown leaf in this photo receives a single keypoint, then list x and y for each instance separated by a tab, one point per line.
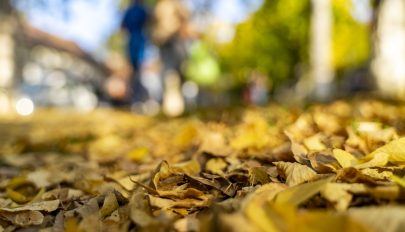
164	203
258	175
140	211
300	152
341	194
23	218
323	162
295	173
47	206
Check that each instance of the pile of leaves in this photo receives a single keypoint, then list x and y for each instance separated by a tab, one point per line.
335	167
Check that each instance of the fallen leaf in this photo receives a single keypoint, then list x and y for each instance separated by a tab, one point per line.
300	193
379	159
47	206
398	180
138	154
377	174
344	158
216	166
341	194
314	143
110	205
295	173
258	175
380	219
140	211
164	203
395	150
23	218
40	178
300	152
254	206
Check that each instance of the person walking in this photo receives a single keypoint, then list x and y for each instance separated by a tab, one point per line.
134	23
170	34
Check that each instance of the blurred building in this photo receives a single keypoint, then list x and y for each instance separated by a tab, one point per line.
51	71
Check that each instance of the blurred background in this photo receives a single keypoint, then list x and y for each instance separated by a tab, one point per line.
173	56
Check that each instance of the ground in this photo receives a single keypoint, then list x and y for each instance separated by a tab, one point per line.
335	167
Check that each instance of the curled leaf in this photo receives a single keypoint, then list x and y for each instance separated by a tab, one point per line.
24	218
379	159
295	173
394	149
47	206
344	158
110	204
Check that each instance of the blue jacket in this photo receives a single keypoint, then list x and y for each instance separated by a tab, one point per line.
134	22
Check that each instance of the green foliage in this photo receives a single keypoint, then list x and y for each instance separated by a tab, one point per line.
351	39
275	41
202	67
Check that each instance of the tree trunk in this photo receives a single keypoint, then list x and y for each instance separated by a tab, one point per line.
388	64
321	50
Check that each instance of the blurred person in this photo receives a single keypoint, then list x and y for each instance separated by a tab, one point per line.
134	22
256	91
170	33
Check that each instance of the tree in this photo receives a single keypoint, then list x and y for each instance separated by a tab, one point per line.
275	41
389	46
321	73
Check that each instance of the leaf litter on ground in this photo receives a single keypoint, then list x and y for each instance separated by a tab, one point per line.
336	167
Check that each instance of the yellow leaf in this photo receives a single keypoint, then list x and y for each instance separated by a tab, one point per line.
300	193
254	206
395	149
16	196
186	136
344	158
295	173
377	174
340	194
71	225
319	221
378	160
253	133
110	204
259	218
191	167
398	180
18	182
216	166
314	143
138	154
